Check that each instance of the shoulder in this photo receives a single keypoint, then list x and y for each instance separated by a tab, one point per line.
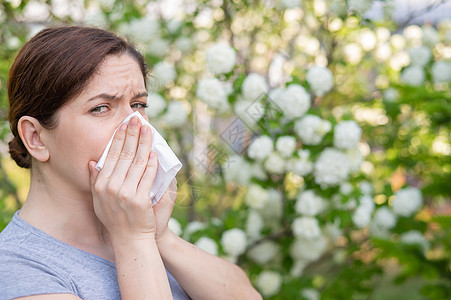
27	268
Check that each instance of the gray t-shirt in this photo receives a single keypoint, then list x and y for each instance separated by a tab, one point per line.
32	263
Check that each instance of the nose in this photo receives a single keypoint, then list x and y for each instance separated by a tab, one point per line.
125	111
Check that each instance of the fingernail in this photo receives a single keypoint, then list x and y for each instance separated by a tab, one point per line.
123	127
144	130
152	155
134	121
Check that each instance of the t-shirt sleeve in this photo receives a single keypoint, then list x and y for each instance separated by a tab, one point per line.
21	277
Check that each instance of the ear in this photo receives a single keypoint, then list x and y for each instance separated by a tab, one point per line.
30	131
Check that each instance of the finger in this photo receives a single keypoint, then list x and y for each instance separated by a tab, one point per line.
139	164
115	151
148	178
93	173
128	152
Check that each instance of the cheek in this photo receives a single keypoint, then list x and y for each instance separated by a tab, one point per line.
96	143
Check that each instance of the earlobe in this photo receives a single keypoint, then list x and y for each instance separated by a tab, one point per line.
30	131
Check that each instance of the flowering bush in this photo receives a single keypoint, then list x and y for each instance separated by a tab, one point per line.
315	140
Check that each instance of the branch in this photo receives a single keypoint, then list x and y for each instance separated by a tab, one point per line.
416	13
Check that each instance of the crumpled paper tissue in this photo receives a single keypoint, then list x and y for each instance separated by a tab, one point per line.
168	163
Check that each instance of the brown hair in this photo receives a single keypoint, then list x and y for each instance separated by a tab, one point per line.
52	68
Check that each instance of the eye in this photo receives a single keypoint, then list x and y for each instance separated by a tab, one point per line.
139	105
99	109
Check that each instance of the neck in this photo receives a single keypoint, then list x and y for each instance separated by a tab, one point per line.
65	213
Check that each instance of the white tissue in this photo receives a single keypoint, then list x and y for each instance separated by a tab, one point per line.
168	163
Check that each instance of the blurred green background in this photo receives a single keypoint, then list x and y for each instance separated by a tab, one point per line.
379	228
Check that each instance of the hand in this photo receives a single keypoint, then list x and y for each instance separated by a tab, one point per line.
121	190
163	211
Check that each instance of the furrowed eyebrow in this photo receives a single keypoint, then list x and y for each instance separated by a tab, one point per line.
104	96
113	97
143	94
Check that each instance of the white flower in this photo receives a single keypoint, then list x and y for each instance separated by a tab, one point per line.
367	39
275	163
277	96
351	204
260	148
430	36
365	187
272	210
309	204
208	245
290	3
92	18
236	169
346	188
269	282
254	224
333	231
338	8
331	168
173	25
361	217
193	227
441	71
176	114
258	172
156	105
355	159
407	201
308	249
286	145
360	6
254	86
298	267
420	56
175	226
413	75
213	93
164	73
378	231
256	197
143	29
310	294
184	44
311	129
294	101
234	242
385	218
301	166
353	53
367	202
414	237
249	111
306	227
220	58
347	135
158	47
263	252
320	79
391	95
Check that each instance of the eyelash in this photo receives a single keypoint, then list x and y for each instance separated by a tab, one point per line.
95	110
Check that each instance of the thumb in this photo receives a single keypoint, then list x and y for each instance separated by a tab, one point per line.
93	173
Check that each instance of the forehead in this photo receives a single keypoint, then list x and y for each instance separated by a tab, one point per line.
117	72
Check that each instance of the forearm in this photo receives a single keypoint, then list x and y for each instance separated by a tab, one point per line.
140	270
202	275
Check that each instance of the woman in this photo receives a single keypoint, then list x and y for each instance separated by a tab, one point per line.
84	234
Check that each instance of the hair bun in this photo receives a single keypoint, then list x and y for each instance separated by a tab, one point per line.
19	153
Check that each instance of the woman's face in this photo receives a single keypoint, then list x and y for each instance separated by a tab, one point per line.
87	122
